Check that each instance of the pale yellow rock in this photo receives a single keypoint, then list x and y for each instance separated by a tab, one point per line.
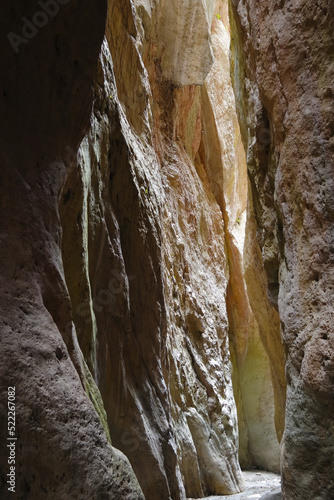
230	175
131	247
254	331
177	33
183	31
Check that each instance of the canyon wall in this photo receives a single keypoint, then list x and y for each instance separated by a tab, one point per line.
136	308
59	448
165	255
282	66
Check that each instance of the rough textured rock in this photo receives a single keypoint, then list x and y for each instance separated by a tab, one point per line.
161	355
168	316
62	451
283	77
130	268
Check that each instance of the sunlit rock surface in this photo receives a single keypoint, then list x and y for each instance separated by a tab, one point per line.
254	326
162	214
283	77
154	326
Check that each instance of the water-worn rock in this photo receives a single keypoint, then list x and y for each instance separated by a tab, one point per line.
129	291
257	350
158	341
258	484
132	287
166	378
276	494
283	76
61	451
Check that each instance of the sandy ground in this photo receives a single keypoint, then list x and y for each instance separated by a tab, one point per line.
257	482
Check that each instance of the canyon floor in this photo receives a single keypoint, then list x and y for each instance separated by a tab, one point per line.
258	483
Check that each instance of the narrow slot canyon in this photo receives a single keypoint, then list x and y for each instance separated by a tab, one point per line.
167	250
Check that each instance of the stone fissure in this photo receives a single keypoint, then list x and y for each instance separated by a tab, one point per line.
166	248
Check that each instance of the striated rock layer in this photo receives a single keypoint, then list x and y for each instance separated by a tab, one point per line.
133	295
283	77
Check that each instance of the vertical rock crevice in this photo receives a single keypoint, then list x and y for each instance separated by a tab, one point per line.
159	278
253	324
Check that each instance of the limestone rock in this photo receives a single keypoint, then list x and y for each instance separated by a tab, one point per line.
257	350
62	451
283	76
273	495
133	293
153	331
183	30
177	34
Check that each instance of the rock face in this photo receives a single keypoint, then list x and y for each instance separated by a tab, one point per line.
62	450
133	294
283	78
254	325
